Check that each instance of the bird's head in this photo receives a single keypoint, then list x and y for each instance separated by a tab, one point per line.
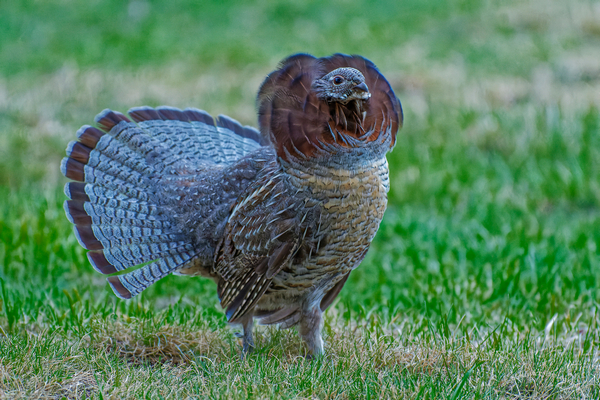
342	85
316	107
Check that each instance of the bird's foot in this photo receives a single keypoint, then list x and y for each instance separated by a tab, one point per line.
246	336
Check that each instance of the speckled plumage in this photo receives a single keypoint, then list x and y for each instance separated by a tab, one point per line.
278	218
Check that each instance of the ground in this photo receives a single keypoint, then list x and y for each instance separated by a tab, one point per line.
483	281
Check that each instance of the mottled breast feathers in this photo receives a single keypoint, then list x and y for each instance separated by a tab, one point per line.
300	123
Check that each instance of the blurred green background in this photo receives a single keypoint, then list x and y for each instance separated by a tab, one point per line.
494	207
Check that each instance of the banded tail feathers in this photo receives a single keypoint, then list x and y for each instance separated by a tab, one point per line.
129	174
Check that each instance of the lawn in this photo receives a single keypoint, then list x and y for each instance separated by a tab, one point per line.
482	282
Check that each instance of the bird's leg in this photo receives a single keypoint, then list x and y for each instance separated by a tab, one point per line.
248	343
310	330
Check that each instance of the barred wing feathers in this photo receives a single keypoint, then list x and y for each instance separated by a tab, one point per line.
262	235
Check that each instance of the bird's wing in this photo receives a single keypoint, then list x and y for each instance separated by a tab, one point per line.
264	232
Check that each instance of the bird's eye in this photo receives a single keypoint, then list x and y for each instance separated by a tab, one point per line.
338	80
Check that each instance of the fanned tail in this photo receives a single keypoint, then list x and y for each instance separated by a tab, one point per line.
129	176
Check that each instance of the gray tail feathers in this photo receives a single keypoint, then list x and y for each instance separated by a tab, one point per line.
124	173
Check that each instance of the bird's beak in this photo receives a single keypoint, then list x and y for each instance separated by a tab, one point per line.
361	87
361	91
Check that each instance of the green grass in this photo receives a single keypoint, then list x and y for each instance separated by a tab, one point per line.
483	281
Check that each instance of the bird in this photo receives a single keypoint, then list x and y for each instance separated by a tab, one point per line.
278	217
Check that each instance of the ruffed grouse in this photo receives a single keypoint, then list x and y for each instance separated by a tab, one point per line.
278	218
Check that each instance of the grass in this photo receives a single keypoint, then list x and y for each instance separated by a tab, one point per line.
483	281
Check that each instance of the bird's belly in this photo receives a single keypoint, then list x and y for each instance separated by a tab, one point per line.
352	205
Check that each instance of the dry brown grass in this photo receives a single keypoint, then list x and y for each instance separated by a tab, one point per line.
168	344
